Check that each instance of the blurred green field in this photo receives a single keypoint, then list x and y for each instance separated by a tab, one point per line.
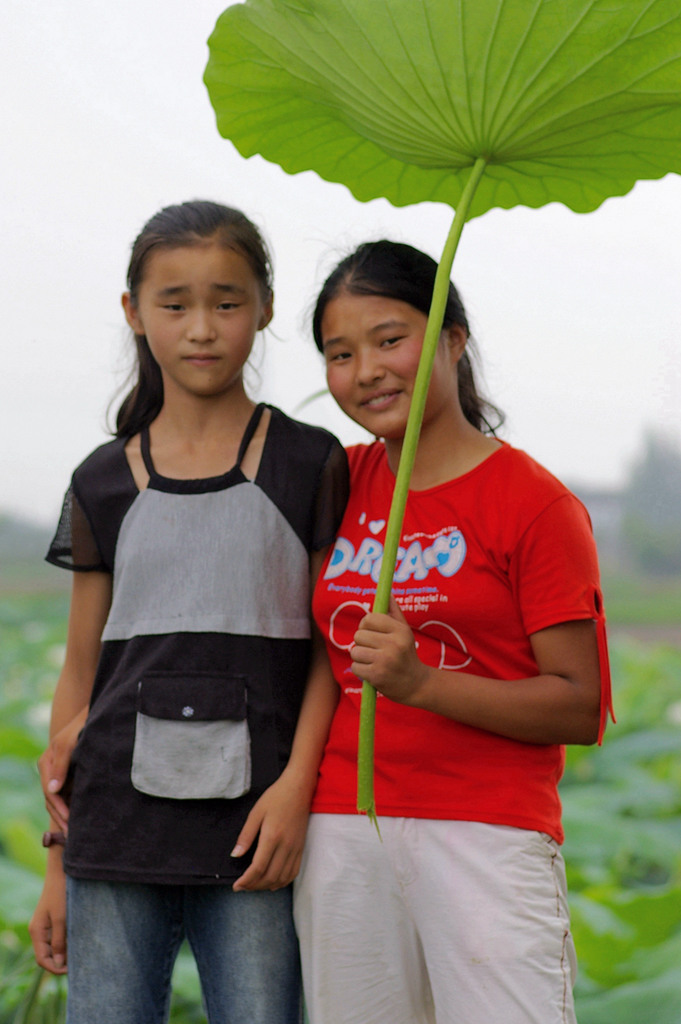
638	602
622	806
32	638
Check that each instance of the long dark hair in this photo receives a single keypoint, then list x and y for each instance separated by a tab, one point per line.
175	226
398	271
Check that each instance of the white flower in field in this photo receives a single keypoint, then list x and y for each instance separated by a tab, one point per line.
39	715
55	655
10	941
34	632
674	713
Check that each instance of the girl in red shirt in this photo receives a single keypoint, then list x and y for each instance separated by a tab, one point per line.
491	659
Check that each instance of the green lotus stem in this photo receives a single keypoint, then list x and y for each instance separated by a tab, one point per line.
367	716
25	1013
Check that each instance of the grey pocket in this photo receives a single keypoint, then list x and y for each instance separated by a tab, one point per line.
191	737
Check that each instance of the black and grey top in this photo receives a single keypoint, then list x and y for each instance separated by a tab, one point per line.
204	653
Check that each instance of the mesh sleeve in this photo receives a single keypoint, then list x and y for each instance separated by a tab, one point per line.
332	497
74	546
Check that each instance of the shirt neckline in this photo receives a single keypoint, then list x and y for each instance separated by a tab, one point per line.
235	474
455	480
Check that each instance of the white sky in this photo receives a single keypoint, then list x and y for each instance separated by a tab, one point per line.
106	119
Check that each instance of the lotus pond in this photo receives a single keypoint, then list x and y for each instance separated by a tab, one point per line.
622	807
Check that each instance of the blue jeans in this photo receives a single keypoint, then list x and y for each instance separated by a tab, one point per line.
123	940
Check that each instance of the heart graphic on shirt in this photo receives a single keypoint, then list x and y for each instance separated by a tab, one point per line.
344	623
376	525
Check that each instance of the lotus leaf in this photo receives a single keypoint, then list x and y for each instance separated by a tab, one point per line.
476	103
566	100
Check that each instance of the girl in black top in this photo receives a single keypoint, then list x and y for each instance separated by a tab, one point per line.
193	536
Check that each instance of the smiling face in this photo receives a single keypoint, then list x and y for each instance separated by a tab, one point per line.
372	347
199	307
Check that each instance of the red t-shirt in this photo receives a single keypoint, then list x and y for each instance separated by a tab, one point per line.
485	560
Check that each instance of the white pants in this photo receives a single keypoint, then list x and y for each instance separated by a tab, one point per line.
441	922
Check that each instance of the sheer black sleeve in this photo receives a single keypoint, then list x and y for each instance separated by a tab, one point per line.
102	490
74	546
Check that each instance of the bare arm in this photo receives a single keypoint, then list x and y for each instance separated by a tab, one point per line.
281	813
559	705
47	926
90	601
53	765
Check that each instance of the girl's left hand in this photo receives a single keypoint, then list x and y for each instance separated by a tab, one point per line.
385	655
279	821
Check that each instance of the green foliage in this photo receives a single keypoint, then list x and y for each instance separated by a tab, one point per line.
636	599
622	812
28	995
32	636
654	550
569	102
622	809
